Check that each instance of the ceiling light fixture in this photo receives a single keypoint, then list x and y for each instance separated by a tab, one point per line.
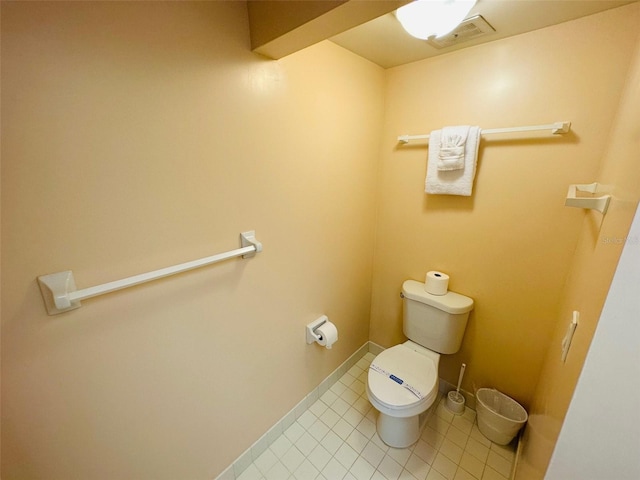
428	18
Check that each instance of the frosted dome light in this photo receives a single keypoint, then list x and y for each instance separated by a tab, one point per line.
428	18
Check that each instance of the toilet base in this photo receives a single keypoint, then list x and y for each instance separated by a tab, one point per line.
401	432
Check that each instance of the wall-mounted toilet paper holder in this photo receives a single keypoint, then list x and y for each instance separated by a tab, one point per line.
313	335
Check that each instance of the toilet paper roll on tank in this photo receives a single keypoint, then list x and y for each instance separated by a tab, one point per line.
436	283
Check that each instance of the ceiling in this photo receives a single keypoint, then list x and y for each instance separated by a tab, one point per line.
384	42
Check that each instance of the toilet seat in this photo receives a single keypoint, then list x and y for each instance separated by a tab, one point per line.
418	370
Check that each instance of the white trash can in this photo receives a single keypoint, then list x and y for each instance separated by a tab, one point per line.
499	416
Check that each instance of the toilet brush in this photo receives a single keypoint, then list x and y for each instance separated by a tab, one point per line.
462	368
455	400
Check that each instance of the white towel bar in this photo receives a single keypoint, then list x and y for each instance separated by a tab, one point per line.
556	128
59	289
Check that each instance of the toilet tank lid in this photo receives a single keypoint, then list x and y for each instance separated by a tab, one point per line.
450	302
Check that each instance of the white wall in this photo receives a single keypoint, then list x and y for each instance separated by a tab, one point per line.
599	439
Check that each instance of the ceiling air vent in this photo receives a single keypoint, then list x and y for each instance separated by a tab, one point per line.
469	29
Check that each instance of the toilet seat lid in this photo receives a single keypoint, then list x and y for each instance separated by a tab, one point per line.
411	367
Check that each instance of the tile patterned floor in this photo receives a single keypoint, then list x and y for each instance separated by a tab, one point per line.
336	439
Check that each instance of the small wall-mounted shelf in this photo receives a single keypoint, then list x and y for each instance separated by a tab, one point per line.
584	196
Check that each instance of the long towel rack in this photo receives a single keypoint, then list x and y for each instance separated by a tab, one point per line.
59	289
556	128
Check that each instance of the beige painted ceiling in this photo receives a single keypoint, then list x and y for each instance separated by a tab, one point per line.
384	41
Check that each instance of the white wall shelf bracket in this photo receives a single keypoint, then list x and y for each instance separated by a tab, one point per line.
248	239
55	289
587	196
59	289
560	128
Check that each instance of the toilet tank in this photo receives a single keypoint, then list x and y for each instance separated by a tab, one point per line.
436	322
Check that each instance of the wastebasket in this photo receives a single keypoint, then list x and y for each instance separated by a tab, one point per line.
499	416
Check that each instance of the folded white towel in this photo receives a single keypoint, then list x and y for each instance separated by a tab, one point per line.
452	182
452	142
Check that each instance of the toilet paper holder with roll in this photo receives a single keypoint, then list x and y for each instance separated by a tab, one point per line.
313	335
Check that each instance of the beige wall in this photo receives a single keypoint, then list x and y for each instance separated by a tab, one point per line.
600	244
510	245
140	135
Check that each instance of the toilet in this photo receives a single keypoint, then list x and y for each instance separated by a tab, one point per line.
402	382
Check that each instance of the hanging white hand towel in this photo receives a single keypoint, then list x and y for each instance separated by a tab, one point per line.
452	143
452	182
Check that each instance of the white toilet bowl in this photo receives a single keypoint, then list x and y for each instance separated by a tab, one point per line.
402	412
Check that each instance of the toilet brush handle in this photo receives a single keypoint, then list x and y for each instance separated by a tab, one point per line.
464	366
